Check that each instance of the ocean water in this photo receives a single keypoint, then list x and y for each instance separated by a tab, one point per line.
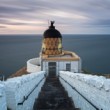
94	51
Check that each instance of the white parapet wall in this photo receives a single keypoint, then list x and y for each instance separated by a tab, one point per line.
94	91
3	105
21	92
33	65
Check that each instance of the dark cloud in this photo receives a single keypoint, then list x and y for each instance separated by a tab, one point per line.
5	9
95	12
2	26
99	22
23	9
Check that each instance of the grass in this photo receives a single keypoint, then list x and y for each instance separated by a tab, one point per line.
20	72
85	71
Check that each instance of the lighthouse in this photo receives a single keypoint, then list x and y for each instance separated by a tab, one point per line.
53	57
52	41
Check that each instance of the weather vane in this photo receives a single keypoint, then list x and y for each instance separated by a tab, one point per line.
52	22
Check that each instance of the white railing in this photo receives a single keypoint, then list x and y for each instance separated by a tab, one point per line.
87	91
21	92
33	65
3	105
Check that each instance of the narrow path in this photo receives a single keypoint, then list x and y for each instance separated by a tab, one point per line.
53	97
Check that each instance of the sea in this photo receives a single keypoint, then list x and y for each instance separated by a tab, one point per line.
94	51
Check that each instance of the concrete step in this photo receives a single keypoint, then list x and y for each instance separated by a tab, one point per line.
53	97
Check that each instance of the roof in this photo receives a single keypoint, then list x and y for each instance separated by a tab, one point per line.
52	32
65	56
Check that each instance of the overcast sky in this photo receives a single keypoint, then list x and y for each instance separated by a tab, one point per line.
70	16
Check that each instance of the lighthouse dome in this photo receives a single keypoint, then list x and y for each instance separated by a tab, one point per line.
52	41
52	32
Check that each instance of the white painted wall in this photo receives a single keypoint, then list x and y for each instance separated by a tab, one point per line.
45	67
95	88
33	65
19	87
61	66
75	66
3	105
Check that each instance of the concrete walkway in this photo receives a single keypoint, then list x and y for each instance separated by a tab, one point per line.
53	97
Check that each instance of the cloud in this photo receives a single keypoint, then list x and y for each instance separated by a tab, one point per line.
100	22
67	13
2	26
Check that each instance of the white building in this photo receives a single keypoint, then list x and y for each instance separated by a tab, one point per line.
53	58
67	61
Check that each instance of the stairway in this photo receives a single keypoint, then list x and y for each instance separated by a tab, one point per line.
53	96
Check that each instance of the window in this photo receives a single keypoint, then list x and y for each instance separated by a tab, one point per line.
68	67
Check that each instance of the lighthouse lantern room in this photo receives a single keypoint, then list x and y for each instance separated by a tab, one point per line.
52	41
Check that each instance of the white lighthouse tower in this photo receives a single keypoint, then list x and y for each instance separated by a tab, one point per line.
53	58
